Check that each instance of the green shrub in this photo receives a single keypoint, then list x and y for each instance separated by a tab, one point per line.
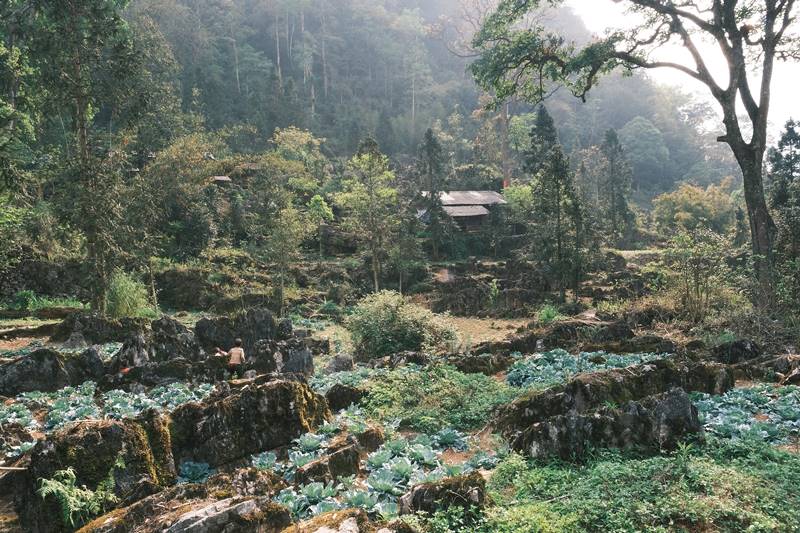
435	397
733	486
30	301
127	297
385	323
548	314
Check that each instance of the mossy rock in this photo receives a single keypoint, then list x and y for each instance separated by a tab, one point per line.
135	453
461	491
100	330
590	391
334	521
238	501
249	420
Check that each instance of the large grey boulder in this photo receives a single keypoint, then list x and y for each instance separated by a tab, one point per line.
251	326
588	392
173	340
656	423
47	370
96	329
738	351
135	454
247	421
239	501
465	491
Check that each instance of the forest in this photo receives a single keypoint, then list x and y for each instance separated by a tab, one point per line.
403	266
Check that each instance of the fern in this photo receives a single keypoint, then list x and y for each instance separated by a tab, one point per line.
78	504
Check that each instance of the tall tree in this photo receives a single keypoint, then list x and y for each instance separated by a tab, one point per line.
784	177
85	55
18	102
521	58
319	214
615	188
556	212
433	173
370	202
543	139
283	245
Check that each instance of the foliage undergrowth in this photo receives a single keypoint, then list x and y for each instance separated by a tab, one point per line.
78	505
28	300
725	486
127	297
435	397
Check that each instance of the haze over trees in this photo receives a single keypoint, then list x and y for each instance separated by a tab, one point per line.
435	265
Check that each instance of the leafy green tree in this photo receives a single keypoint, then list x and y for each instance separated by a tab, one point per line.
543	139
84	56
697	259
784	177
555	208
690	207
319	214
294	144
283	246
18	107
370	203
646	151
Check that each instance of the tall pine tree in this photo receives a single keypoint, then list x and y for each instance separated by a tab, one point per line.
615	190
556	217
433	176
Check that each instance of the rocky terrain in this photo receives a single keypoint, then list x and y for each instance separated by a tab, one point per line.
135	425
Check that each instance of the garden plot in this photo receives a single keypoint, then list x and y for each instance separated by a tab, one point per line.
400	463
763	412
546	369
48	411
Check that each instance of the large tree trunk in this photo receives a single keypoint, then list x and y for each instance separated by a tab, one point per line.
762	227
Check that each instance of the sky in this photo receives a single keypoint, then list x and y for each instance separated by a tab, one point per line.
599	15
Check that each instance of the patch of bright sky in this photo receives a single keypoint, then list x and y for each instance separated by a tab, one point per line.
599	15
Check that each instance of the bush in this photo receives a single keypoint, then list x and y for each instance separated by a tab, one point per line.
386	323
127	297
435	397
78	505
733	486
548	314
697	259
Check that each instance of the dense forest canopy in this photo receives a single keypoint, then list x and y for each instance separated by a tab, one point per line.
141	131
352	68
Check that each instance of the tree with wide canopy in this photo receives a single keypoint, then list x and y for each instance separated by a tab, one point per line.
519	56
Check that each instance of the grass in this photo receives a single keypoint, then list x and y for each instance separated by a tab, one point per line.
723	486
31	302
